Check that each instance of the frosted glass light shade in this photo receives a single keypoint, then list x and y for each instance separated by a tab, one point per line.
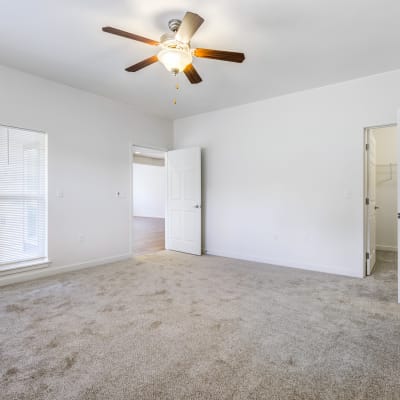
175	60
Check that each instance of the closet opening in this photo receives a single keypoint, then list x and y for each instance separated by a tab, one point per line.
381	204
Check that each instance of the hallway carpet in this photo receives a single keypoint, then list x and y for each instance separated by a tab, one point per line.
175	326
148	235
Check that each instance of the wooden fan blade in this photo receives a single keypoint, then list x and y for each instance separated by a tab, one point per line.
129	35
142	64
219	55
192	74
190	24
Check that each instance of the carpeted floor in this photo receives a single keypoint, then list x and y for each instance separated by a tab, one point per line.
174	326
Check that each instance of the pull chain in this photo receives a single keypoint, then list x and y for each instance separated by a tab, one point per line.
176	87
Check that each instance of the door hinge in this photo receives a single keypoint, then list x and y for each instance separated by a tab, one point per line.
367	201
367	256
367	147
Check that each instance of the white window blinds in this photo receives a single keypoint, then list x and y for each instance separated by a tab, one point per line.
23	195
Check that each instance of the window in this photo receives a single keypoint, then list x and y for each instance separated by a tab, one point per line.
23	195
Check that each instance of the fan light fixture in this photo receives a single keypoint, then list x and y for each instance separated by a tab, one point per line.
174	60
175	51
174	55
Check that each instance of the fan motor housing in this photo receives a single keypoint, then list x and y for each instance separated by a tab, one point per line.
174	24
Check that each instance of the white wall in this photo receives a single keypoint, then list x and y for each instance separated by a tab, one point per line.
148	191
283	178
89	141
386	188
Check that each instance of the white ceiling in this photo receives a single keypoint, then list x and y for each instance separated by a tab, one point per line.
290	45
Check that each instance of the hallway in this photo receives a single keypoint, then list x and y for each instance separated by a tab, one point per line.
148	235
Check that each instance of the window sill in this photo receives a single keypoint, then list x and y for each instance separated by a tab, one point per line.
24	266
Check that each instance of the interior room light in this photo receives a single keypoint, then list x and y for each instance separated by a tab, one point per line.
175	58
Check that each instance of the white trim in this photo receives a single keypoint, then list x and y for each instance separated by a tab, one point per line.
50	271
398	187
22	129
365	206
16	268
130	234
365	194
160	149
285	264
383	247
166	222
45	198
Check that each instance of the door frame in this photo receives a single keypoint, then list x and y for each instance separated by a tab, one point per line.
365	190
131	147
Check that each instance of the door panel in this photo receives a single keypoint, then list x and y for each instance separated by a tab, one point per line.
183	216
371	245
398	205
175	225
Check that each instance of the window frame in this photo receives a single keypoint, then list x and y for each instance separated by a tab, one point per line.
39	197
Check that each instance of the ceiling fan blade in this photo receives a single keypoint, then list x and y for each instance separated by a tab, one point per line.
192	74
190	24
129	35
219	55
142	64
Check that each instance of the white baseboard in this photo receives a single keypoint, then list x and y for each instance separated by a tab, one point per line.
383	247
46	271
288	264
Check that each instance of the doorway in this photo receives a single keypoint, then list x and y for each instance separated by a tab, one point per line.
148	200
166	200
381	187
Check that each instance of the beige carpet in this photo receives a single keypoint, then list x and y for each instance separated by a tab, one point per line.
174	326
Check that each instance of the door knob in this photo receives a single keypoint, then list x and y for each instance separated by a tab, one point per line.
376	207
197	206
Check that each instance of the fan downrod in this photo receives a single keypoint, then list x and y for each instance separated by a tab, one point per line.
174	24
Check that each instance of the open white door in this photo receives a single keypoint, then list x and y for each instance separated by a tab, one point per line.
371	202
398	206
183	214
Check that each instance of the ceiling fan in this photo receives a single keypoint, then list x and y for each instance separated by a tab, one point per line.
175	52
